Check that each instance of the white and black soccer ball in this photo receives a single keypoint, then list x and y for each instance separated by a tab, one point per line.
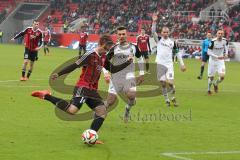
89	136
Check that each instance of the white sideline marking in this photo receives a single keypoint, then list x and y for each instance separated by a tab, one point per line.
179	155
14	80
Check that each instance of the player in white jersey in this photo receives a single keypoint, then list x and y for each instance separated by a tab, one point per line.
125	80
165	70
218	51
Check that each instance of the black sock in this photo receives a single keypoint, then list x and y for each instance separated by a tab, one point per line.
23	72
147	66
202	70
97	123
44	50
58	102
47	50
29	73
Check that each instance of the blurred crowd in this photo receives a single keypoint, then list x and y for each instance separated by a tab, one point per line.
103	16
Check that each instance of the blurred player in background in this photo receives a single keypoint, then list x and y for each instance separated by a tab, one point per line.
218	52
47	39
165	70
124	81
205	44
33	42
83	36
143	45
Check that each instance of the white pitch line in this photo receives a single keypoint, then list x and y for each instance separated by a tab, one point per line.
176	154
172	155
8	86
14	80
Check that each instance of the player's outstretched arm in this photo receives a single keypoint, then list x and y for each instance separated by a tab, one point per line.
116	68
154	27
182	65
179	56
226	50
20	34
40	42
68	69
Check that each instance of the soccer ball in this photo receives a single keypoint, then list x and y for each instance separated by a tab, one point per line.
89	136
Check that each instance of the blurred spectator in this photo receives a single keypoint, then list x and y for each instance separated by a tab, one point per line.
65	27
104	16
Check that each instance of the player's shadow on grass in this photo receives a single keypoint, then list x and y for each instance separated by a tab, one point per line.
60	86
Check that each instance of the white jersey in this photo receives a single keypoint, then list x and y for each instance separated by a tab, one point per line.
165	48
120	54
218	49
165	51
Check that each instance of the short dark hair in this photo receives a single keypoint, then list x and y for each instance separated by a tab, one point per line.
105	39
35	20
120	28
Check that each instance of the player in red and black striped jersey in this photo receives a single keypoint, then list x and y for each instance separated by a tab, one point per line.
46	40
86	87
33	39
144	47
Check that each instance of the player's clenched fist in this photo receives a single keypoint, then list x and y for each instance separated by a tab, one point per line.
107	77
130	58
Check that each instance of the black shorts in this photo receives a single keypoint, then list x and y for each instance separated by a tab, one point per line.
31	55
83	95
205	57
145	54
82	47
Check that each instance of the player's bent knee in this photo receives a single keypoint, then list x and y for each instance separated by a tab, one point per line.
111	99
170	82
211	77
100	111
163	83
72	109
25	62
131	95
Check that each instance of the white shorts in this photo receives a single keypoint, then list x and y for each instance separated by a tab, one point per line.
122	86
216	67
165	72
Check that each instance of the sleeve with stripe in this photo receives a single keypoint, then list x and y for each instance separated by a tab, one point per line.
83	60
21	34
210	50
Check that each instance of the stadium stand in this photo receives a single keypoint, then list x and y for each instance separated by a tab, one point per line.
6	6
104	16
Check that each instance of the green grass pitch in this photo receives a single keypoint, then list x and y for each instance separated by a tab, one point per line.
30	130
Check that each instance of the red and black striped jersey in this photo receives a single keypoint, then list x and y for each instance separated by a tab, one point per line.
92	64
47	36
32	38
83	38
143	43
91	70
